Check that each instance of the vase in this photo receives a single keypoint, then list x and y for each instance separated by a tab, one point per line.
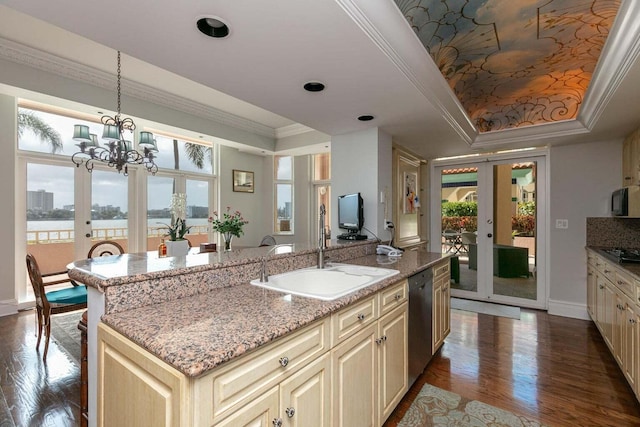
177	247
227	237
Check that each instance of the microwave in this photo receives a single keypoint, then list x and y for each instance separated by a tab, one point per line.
626	201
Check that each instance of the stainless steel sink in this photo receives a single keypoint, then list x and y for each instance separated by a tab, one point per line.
335	281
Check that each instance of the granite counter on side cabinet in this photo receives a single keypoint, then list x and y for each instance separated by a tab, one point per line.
197	333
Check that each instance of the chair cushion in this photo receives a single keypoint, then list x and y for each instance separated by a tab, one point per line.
73	295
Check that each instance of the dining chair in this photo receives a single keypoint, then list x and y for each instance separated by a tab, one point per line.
467	238
105	248
268	240
53	302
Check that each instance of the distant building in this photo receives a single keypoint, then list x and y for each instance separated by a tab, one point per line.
40	201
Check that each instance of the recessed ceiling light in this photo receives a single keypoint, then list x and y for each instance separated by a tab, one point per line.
212	27
314	87
365	118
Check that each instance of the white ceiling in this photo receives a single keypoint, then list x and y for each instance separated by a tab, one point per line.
362	50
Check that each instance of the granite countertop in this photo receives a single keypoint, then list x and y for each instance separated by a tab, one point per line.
198	333
102	272
630	267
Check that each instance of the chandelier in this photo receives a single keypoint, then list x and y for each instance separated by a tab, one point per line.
116	152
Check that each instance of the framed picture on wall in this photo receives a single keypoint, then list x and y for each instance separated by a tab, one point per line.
410	180
242	181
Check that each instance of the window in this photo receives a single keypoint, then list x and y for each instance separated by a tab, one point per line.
283	194
177	154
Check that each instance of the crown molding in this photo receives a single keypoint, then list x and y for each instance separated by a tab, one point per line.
44	61
527	134
621	50
292	130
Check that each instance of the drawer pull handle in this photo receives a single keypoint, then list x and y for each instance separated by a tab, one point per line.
290	412
632	321
398	296
601	286
277	422
379	341
620	282
360	316
284	361
607	271
384	338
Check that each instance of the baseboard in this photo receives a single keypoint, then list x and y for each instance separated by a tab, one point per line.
568	309
8	307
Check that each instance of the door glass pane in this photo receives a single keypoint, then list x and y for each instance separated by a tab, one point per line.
109	209
460	225
514	230
198	211
50	215
284	167
159	193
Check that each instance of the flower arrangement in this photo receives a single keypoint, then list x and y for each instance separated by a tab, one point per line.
231	223
178	209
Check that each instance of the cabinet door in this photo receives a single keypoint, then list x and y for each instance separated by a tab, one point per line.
600	302
591	292
630	346
260	412
609	313
305	397
355	380
393	344
618	328
136	388
438	315
446	310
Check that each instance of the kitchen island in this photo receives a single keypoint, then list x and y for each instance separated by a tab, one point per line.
198	312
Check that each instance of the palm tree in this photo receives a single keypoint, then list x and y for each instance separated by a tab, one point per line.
27	120
195	152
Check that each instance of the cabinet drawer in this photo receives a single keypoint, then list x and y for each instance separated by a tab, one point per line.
625	284
608	270
352	318
392	297
231	386
441	269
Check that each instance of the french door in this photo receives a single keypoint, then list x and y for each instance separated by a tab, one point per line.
490	217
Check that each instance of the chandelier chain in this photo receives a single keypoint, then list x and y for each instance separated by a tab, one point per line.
119	74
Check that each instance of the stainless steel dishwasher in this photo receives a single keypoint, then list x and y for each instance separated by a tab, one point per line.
420	315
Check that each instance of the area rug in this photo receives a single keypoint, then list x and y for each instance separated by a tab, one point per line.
486	308
436	407
65	332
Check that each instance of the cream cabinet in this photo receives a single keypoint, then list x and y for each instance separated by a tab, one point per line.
631	159
612	301
137	389
346	369
441	316
370	371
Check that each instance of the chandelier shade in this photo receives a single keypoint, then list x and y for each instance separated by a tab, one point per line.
117	152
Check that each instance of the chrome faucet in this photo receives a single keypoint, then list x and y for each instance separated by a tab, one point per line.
264	275
322	241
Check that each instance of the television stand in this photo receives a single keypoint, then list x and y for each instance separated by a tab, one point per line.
352	236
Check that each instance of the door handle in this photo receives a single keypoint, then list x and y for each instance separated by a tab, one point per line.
87	235
489	235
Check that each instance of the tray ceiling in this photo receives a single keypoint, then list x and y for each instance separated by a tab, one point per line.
514	63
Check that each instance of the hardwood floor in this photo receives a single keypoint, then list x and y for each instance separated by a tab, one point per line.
33	393
553	369
550	368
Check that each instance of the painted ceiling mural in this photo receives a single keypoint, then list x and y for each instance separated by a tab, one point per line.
514	63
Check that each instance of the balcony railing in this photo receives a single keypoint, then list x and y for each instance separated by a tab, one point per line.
62	236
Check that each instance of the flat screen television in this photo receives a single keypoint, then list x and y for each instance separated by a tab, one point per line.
351	216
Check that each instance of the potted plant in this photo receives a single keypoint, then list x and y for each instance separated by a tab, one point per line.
228	225
177	244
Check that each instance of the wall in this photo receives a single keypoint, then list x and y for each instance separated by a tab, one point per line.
8	261
252	205
582	177
361	162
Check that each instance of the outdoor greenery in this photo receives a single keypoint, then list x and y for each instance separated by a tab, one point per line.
464	215
460	209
